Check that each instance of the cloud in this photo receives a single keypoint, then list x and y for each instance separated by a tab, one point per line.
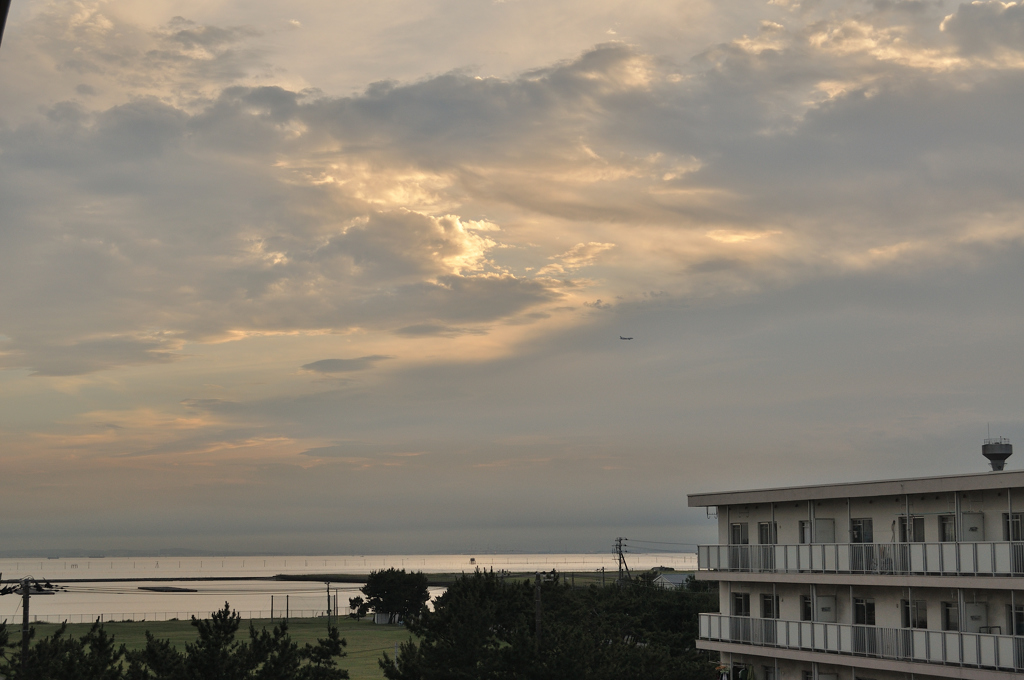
344	365
796	190
90	355
580	255
983	28
425	330
440	202
363	451
206	404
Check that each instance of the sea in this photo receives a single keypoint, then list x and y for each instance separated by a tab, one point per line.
99	588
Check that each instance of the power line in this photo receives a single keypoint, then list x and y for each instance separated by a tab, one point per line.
637	540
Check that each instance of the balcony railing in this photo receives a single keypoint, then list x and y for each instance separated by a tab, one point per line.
977	650
1003	558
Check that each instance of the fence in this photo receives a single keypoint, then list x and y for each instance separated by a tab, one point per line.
278	613
980	650
985	559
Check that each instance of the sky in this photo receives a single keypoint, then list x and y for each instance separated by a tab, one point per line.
351	278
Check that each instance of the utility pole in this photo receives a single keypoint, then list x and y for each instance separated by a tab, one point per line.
25	586
328	604
24	622
622	559
536	605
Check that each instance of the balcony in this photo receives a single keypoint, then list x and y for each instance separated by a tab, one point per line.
1003	558
975	650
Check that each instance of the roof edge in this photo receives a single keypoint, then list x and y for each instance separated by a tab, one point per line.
973	481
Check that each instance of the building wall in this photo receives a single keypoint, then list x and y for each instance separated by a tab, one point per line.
995	604
976	607
883	512
794	670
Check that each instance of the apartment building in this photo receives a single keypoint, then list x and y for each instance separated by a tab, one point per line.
885	580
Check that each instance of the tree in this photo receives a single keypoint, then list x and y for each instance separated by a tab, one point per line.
358	606
93	656
216	654
402	596
484	628
267	655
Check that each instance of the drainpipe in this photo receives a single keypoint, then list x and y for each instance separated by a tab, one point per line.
1013	614
963	619
907	520
959	524
849	522
1009	516
810	513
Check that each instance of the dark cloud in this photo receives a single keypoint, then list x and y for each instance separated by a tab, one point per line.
985	27
426	330
345	365
357	449
207	404
190	34
89	356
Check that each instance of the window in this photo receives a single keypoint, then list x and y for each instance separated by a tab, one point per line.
806	608
805	531
741	604
808	675
769	606
1016	620
915	613
916	530
1012	526
767	533
950	616
861	531
863	612
824	530
738	534
947	529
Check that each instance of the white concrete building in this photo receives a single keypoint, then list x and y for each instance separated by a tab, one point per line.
890	580
671	581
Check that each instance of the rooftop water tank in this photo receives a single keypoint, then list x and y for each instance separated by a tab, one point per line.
997	450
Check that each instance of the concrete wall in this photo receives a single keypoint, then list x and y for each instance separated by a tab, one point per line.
994	603
794	670
883	511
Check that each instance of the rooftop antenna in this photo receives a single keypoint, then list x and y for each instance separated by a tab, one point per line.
997	450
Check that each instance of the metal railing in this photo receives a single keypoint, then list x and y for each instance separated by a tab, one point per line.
978	650
167	616
999	558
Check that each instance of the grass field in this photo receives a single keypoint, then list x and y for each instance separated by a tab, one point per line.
366	640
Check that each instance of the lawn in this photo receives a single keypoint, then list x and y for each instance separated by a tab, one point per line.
366	640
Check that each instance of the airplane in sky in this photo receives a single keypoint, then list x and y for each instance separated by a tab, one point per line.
622	338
